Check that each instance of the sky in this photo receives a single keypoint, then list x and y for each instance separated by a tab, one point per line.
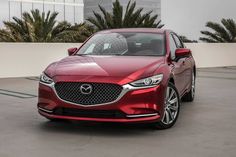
188	17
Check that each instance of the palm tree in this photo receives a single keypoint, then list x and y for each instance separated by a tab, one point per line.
119	18
41	27
186	40
81	32
17	31
225	33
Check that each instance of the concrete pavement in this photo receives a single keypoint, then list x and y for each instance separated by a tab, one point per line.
205	128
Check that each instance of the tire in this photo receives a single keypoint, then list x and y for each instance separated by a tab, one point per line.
189	97
171	110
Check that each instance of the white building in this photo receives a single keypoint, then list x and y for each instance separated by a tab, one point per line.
74	11
70	10
147	5
186	17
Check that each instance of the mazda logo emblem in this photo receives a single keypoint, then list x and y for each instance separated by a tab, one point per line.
86	89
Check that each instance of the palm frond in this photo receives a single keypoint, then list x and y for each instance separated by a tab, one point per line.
212	36
224	32
39	27
117	14
230	25
129	18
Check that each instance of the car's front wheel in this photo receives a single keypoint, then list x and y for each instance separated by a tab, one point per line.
171	108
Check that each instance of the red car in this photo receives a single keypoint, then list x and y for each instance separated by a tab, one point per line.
121	75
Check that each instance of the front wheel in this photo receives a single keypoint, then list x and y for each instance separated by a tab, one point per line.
171	108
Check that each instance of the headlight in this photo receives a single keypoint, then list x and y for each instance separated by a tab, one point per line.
45	79
150	81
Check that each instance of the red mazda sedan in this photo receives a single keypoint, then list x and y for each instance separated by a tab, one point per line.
120	75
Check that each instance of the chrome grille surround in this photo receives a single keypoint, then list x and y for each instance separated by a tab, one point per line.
101	93
126	88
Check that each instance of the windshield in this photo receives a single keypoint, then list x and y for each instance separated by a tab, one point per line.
125	44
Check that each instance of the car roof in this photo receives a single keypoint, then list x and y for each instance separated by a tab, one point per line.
137	30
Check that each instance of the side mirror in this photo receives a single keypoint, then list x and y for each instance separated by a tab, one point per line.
71	51
182	52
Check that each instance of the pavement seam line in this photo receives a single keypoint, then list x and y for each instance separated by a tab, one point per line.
17	94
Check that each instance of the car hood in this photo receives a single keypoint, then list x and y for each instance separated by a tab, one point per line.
132	67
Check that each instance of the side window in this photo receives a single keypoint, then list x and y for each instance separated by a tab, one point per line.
178	42
172	47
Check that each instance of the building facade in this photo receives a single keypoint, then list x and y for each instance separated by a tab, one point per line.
69	10
147	5
74	11
92	5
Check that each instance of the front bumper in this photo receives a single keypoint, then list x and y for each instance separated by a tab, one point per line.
144	119
139	105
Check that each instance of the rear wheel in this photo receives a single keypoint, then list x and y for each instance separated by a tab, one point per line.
189	97
171	108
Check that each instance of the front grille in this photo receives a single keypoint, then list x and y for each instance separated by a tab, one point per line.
101	92
89	113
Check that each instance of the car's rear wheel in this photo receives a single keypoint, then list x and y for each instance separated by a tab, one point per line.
171	108
189	97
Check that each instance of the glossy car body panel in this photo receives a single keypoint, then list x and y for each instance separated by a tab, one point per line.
119	70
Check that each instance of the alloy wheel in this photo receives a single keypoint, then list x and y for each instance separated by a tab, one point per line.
171	106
